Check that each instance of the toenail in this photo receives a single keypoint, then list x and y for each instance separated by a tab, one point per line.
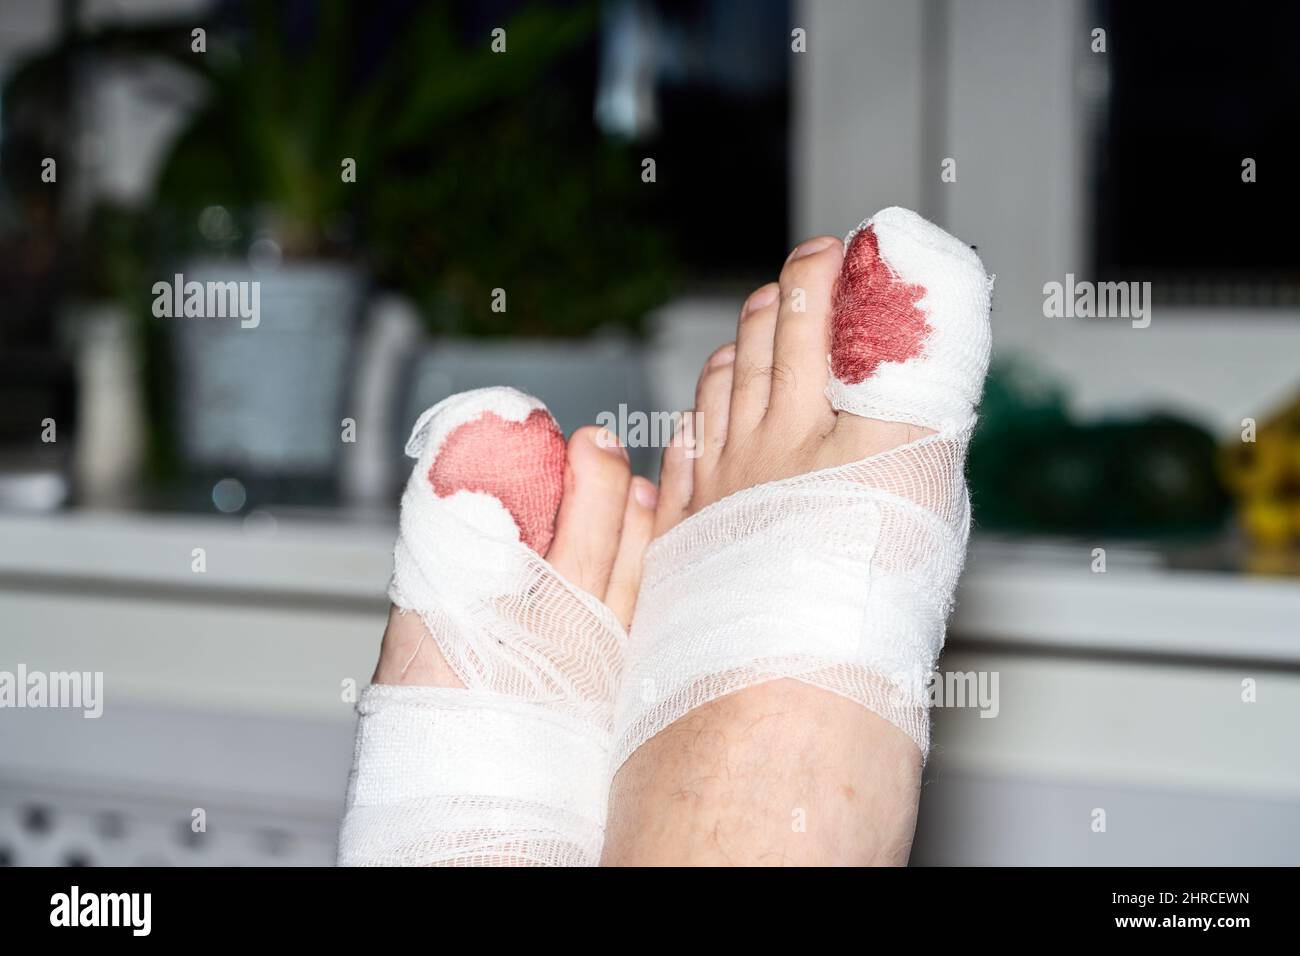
647	495
763	297
724	356
606	440
809	247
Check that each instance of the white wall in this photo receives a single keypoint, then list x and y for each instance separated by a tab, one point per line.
856	112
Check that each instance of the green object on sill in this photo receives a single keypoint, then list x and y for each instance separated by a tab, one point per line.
1032	469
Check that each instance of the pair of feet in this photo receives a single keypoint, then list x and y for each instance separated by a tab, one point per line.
781	771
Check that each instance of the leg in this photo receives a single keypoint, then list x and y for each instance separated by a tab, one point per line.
783	773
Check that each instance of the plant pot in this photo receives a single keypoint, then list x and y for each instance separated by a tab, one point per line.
261	400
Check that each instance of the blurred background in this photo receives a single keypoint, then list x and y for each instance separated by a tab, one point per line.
573	198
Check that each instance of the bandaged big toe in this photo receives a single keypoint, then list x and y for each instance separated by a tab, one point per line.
513	769
842	578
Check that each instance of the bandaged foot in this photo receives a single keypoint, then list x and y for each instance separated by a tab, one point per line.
485	736
794	603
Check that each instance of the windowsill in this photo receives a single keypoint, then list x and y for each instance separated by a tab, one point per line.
1032	594
1026	593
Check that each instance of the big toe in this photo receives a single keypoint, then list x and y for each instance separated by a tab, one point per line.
910	331
500	443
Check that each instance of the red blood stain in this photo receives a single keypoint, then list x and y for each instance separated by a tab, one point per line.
875	317
521	464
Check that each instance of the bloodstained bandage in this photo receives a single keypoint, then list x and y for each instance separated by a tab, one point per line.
521	464
876	317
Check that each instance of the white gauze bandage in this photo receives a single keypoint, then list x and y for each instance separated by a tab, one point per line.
841	578
514	768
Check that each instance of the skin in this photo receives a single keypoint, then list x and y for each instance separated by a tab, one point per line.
781	772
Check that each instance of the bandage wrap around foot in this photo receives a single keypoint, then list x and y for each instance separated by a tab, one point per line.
841	578
514	768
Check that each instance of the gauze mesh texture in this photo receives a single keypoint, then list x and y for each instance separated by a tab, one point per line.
514	768
445	776
842	578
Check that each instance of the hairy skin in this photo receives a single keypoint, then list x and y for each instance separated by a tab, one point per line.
711	791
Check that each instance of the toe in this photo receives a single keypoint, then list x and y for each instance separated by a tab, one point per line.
712	402
803	333
638	527
676	476
596	481
752	378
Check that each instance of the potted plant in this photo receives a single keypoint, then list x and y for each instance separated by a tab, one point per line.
376	147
